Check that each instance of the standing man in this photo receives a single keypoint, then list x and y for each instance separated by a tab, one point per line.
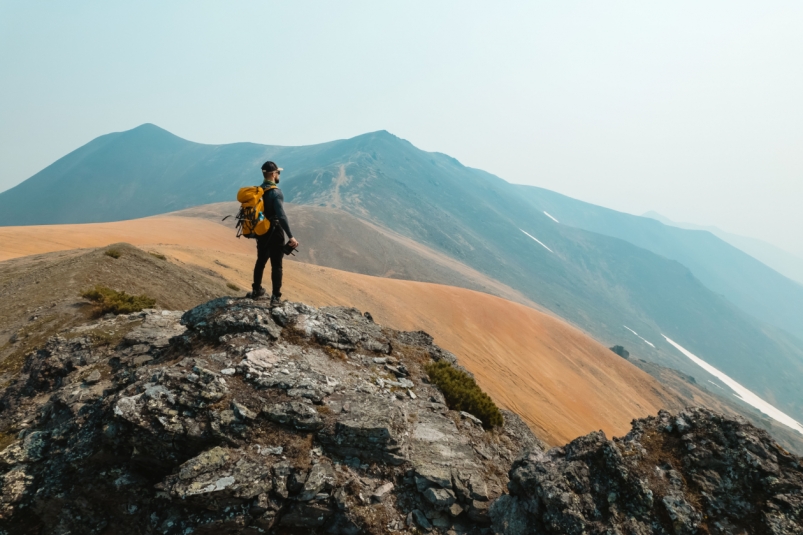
271	244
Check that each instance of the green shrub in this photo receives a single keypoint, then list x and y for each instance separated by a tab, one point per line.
114	253
107	300
157	255
233	286
621	351
463	394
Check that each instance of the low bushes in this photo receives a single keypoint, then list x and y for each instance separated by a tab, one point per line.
621	351
463	394
107	300
114	253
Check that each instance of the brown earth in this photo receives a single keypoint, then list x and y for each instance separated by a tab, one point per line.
40	294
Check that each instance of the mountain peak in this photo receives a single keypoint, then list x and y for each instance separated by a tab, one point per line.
149	131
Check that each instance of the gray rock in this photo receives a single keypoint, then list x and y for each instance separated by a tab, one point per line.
228	315
295	414
242	412
565	489
440	498
320	477
87	455
93	377
419	519
382	491
428	475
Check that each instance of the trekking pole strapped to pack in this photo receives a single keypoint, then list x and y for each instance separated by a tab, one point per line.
251	220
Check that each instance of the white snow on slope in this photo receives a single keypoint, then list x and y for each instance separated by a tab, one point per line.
539	241
550	217
637	334
740	391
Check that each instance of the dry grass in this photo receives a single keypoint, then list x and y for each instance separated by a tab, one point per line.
107	301
232	286
6	439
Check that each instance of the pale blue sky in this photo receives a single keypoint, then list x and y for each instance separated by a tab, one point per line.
692	109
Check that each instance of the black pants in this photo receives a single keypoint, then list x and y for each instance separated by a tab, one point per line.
270	246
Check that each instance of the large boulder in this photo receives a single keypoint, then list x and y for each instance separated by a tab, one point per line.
688	473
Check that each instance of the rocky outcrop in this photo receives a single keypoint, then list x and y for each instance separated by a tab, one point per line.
235	418
689	473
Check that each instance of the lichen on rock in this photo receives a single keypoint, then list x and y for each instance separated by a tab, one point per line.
237	418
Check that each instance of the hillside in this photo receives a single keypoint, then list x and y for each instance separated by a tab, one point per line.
782	261
562	382
40	294
604	285
336	239
745	281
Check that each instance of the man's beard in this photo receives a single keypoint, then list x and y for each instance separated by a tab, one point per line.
276	180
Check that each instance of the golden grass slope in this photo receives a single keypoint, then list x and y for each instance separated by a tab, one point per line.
563	383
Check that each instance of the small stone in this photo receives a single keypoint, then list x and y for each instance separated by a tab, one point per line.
440	497
455	509
470	417
228	371
428	476
93	377
321	476
296	414
420	520
142	359
270	450
242	412
379	493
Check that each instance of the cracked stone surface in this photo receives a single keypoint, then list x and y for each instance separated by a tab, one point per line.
237	418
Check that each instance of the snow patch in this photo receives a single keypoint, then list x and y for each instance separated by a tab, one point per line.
550	217
637	334
539	241
741	392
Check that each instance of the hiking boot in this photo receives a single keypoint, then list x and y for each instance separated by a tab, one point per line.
275	301
257	293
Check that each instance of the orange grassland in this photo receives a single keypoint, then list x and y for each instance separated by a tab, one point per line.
562	382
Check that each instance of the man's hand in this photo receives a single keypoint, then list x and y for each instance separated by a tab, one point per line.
293	243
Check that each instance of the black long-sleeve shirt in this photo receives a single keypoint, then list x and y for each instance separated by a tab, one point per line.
274	208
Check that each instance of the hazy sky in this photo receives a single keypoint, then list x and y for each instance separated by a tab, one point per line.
692	109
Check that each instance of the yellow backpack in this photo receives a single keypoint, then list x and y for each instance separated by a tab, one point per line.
251	220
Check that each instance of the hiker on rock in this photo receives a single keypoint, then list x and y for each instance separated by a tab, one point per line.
271	244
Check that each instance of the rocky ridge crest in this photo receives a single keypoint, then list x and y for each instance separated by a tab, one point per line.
236	418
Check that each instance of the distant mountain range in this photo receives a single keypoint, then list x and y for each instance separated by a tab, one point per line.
780	260
612	274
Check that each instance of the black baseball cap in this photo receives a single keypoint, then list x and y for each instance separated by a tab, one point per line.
269	167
